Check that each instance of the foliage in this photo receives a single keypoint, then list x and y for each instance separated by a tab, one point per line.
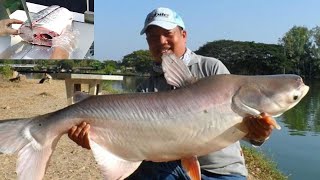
95	64
295	43
6	71
302	50
246	57
110	67
315	50
12	5
65	64
141	60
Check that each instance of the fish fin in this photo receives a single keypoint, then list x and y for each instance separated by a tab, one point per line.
17	135
32	163
80	96
270	120
11	135
243	96
112	167
176	72
192	166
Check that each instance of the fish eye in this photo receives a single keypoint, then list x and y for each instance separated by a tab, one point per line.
295	97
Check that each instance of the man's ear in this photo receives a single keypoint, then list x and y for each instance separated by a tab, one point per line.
184	33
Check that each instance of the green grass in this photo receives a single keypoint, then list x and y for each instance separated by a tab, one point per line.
6	71
260	167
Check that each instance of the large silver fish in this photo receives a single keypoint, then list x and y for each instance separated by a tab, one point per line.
199	118
46	24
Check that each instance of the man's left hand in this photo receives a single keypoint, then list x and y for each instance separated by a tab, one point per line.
259	127
5	28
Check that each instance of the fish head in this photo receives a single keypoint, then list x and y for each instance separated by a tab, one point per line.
273	94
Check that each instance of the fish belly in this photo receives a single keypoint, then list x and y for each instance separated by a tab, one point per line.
169	137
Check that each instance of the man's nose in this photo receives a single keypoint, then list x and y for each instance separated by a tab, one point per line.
163	39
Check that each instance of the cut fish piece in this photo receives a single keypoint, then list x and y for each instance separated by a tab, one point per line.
46	24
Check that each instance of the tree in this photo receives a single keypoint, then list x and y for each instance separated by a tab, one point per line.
246	57
315	50
295	43
110	66
65	64
141	60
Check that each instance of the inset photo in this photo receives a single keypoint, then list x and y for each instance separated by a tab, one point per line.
40	29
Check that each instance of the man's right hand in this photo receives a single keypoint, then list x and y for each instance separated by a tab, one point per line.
80	134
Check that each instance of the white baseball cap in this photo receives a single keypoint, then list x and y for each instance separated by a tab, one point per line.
163	17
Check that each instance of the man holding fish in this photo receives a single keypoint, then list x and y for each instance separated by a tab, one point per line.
165	33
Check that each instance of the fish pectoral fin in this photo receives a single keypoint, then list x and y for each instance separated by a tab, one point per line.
32	163
192	166
270	120
112	167
176	72
243	97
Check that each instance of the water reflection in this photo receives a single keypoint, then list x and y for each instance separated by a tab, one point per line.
305	117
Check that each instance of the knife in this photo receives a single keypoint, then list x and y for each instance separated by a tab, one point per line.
25	7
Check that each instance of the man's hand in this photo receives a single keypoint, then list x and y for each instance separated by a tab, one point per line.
80	134
67	40
5	28
259	127
64	44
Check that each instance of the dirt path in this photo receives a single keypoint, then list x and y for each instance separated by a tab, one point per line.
28	98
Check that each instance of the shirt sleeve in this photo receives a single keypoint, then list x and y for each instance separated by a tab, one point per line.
211	66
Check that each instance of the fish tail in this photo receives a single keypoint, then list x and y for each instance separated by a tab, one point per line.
34	148
11	135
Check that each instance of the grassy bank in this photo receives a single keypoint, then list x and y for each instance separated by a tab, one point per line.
260	167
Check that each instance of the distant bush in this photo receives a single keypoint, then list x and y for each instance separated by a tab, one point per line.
6	71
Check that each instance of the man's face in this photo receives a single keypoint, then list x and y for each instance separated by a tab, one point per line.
162	41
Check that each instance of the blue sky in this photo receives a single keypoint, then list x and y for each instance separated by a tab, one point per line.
118	22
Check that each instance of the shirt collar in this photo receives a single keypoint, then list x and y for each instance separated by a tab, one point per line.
186	57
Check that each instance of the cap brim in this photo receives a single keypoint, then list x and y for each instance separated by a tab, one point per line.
164	24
